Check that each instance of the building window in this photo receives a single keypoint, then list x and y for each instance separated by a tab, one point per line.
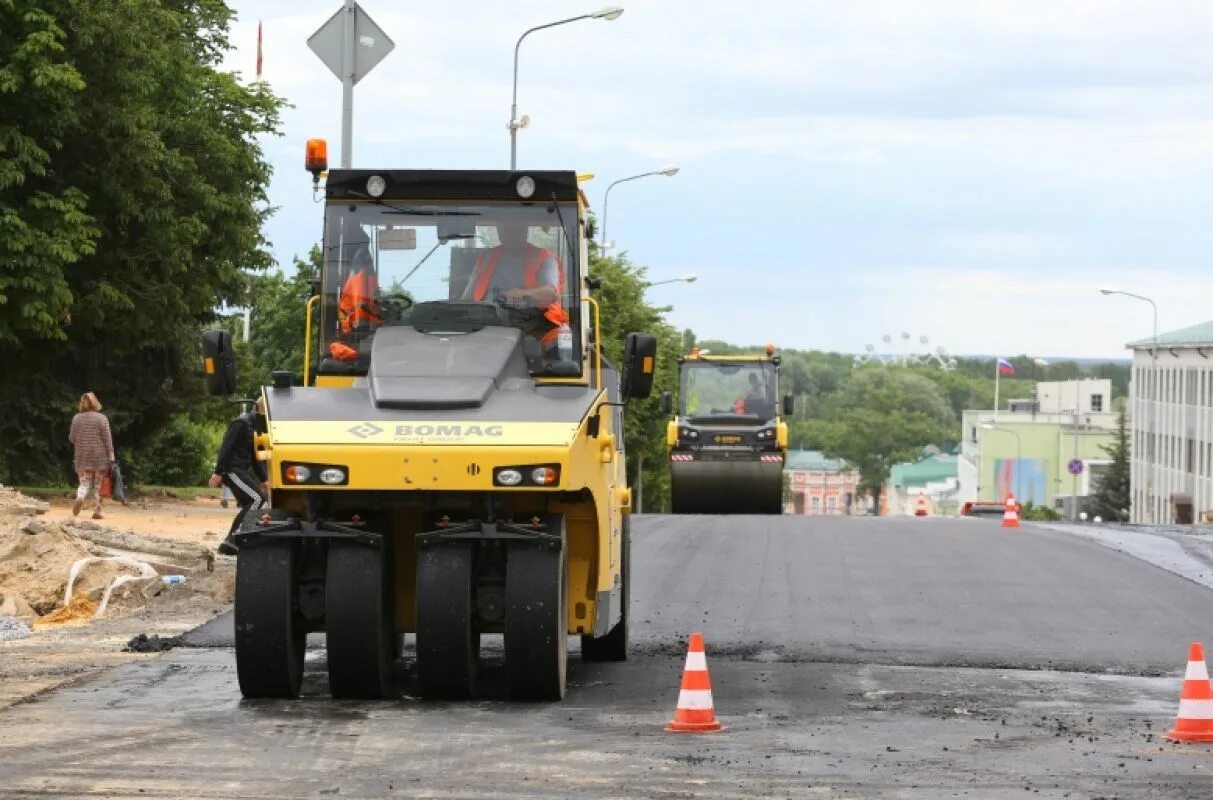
831	504
816	505
1097	402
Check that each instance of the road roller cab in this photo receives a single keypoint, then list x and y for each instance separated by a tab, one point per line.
453	463
727	442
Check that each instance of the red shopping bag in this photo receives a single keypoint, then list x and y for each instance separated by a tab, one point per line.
107	485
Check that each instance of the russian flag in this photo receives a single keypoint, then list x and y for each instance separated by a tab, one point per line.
1005	367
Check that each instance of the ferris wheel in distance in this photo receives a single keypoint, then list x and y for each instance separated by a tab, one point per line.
905	351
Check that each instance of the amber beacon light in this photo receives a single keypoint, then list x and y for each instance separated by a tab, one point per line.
316	158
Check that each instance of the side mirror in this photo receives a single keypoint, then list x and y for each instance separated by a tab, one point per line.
667	403
789	405
219	362
639	365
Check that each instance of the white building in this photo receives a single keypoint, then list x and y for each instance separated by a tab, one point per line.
1088	395
1172	412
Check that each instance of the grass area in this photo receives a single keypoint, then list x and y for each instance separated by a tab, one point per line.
189	493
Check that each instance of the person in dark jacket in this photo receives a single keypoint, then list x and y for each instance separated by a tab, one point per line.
237	468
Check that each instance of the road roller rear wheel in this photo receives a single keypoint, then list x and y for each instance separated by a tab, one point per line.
447	639
360	620
536	617
270	636
614	646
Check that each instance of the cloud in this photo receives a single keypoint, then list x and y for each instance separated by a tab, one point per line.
965	171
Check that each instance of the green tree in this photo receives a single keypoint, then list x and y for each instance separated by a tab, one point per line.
278	319
882	416
1113	495
623	310
132	189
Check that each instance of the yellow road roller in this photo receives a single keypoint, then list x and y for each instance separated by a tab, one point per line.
727	442
453	463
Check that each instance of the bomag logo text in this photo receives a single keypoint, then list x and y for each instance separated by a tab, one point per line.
448	431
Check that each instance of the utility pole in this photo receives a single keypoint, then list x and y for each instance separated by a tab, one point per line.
349	42
1074	435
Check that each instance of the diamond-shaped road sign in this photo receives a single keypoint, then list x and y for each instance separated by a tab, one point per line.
371	44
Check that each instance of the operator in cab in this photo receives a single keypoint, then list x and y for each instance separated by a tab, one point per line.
516	270
517	273
358	308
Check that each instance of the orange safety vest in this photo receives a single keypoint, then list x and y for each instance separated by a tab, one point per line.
486	265
358	303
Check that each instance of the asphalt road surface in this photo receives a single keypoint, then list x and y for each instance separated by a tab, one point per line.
849	658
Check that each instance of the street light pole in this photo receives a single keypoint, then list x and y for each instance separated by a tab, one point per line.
688	278
669	172
609	13
1151	401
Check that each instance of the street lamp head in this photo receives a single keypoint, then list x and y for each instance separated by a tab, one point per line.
690	277
609	13
1106	290
670	171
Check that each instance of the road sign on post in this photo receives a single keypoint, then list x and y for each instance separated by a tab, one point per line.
350	44
1075	466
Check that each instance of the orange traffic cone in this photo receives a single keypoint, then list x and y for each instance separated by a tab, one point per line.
1194	722
921	511
1010	517
695	713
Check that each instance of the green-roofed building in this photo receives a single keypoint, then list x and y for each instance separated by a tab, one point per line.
818	485
1171	416
935	476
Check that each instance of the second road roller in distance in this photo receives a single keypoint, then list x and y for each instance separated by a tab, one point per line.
454	464
727	443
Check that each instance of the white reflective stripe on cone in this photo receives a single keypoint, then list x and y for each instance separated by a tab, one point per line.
1197	671
695	699
696	662
1195	709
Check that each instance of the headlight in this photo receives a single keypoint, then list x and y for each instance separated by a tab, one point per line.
375	185
525	186
688	433
332	476
544	476
508	477
298	474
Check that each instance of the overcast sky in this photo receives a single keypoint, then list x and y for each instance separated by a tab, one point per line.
967	171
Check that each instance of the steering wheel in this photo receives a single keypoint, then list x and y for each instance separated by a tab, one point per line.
394	306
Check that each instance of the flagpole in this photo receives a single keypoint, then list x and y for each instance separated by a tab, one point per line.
997	374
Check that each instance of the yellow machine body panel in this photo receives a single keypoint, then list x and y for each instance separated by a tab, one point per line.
415	458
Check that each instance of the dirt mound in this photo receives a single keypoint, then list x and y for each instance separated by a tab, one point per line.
111	573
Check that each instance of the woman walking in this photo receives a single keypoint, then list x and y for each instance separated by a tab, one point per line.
94	451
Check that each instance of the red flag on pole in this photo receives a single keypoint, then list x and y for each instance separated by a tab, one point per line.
258	49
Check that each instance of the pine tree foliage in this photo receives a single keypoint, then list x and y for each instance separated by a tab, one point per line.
1113	495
